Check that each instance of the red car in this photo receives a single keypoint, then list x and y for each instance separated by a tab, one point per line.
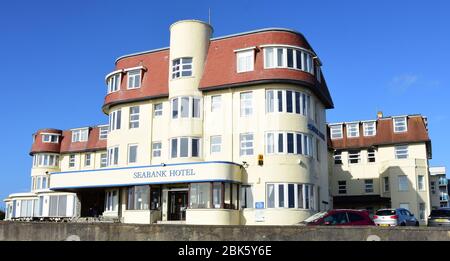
340	217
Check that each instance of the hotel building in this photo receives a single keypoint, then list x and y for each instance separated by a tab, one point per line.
226	130
381	163
438	187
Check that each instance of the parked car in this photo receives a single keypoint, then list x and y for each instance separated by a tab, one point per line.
394	217
439	218
340	217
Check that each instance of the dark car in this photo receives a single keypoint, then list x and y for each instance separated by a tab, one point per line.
340	217
439	218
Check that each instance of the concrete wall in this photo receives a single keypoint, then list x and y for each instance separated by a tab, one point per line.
108	231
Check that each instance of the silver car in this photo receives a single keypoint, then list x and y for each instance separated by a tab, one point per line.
394	217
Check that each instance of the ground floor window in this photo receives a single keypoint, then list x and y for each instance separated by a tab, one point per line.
290	195
422	211
138	198
58	206
246	196
214	195
112	200
26	208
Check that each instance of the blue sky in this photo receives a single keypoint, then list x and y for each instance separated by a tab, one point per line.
377	55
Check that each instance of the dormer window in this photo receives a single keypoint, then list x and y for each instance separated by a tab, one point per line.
245	59
50	138
352	130
370	128
400	124
286	56
182	67
336	131
134	79
114	83
80	135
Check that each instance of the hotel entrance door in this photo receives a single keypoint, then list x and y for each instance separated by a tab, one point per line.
177	205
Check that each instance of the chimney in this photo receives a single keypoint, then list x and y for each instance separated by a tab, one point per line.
379	114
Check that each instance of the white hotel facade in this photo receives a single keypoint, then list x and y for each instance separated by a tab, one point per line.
228	130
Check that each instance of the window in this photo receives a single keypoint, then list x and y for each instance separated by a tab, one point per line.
134	117
156	149
370	128
246	196
421	183
103	130
185	107
287	101
87	160
368	185
216	103
216	143
71	161
246	144
352	130
370	155
280	57
400	124
132	153
103	160
134	79
386	184
342	187
288	143
50	138
80	135
157	109
185	147
422	211
246	104
113	156
114	83
57	206
402	183
138	198
111	200
114	120
182	67
336	131
433	187
45	160
200	195
337	157
354	156
289	195
244	61
401	152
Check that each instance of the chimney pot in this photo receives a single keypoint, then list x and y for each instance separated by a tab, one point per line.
379	114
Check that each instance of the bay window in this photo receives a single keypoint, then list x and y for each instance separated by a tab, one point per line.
114	82
113	156
287	101
290	195
182	67
288	143
134	117
183	147
288	57
138	198
50	138
185	107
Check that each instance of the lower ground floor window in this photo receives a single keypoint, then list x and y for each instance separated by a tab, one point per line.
290	195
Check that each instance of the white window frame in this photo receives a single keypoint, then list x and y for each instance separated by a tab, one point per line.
246	104
421	185
129	154
368	187
245	61
103	160
134	117
189	149
133	77
370	128
352	129
113	156
310	197
398	123
191	113
46	160
72	160
334	130
115	120
80	135
403	187
215	144
272	142
216	103
182	67
401	152
47	138
111	200
103	132
246	150
156	152
114	82
157	111
87	159
306	63
273	102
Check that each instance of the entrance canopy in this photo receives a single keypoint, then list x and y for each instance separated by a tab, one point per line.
207	171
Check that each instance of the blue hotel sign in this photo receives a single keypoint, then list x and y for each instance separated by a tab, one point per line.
316	131
163	173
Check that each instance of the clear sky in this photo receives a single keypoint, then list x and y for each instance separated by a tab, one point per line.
391	56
